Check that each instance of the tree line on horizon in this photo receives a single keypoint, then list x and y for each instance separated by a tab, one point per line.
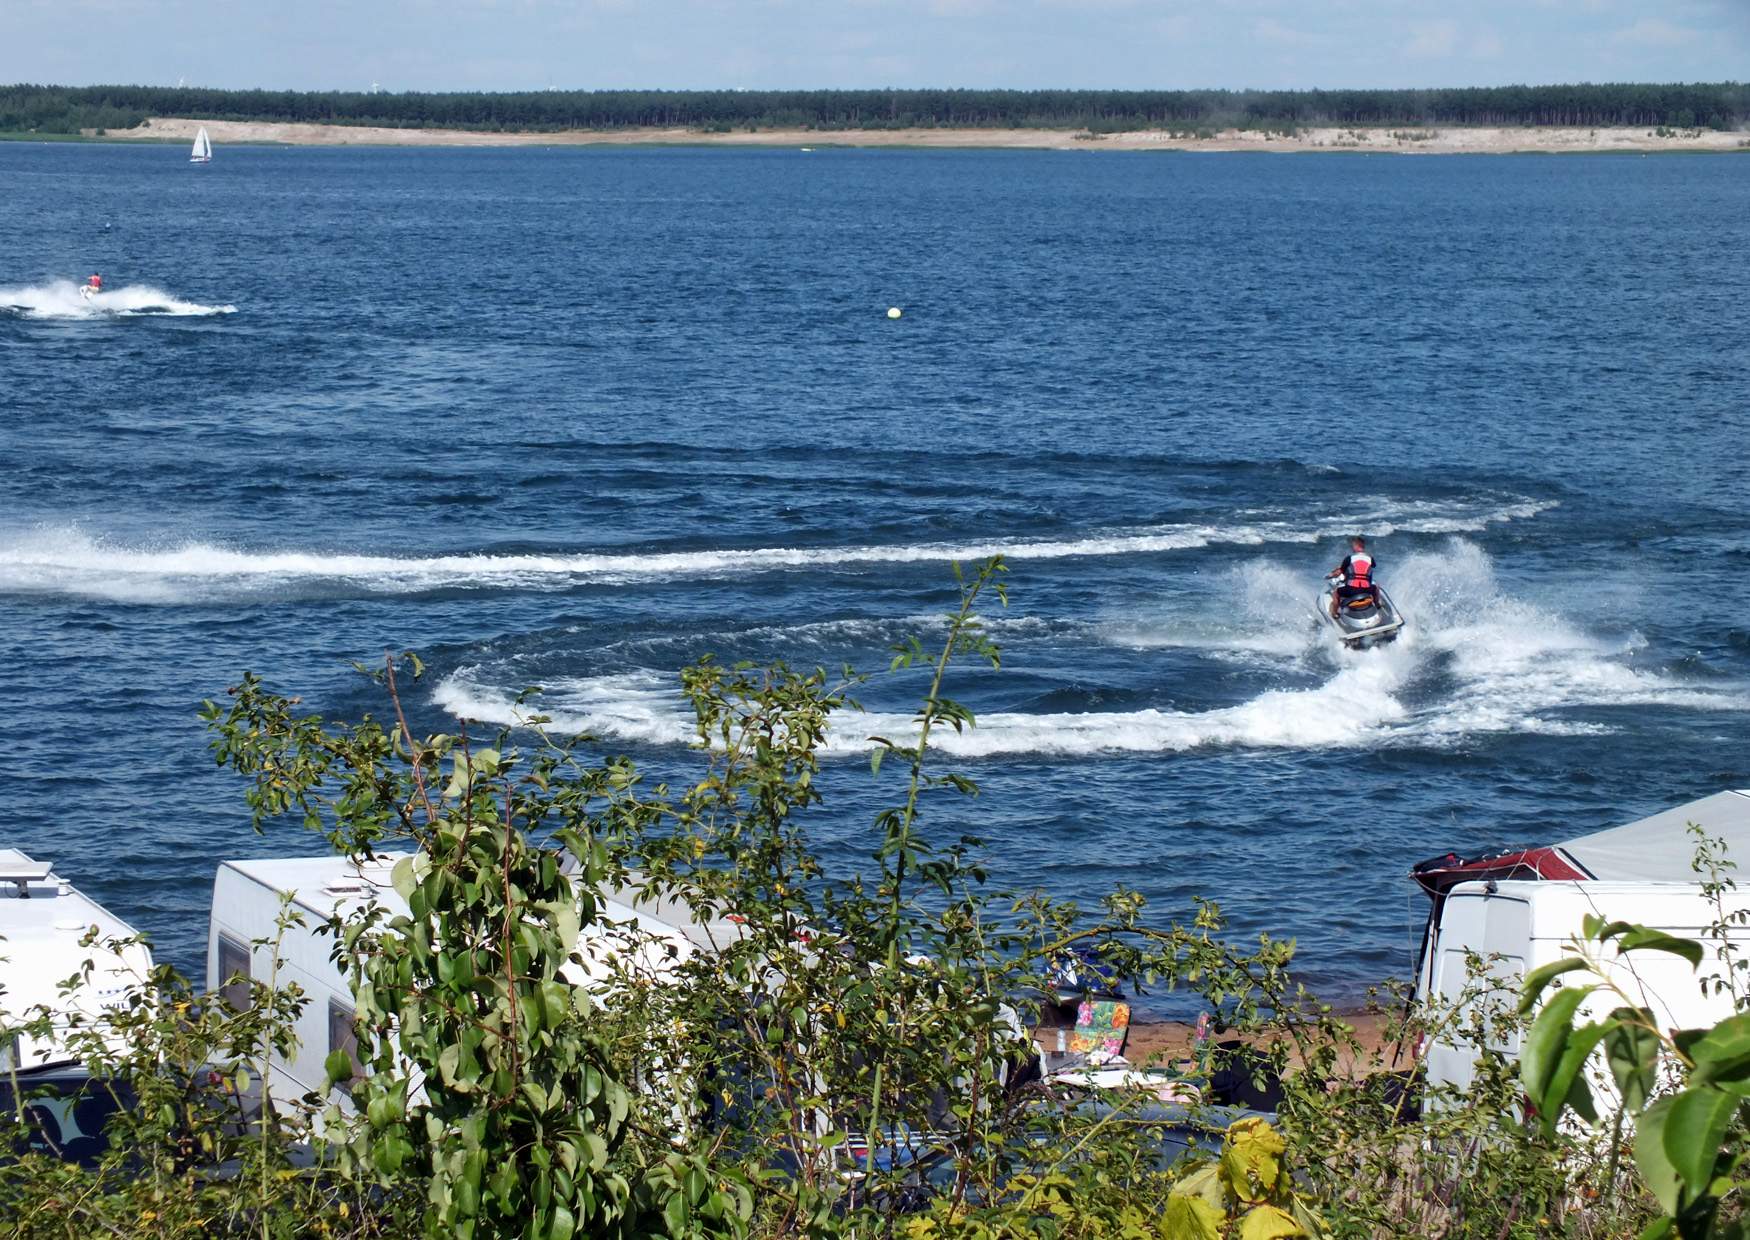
70	109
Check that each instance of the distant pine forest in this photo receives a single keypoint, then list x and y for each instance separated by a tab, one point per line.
67	110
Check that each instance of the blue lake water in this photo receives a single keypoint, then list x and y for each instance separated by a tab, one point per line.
577	417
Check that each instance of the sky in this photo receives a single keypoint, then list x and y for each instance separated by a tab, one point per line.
783	44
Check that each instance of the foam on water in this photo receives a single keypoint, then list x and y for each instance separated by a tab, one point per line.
644	707
641	707
61	299
1514	660
1255	612
68	560
1499	666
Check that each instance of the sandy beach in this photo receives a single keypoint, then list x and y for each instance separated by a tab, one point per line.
1454	141
1167	1042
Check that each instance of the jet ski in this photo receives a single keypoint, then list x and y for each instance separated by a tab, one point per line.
1363	621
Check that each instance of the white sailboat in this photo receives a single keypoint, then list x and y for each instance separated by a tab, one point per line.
203	148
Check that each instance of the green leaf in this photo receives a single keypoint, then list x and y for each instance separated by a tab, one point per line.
338	1067
1541	976
1566	1085
1699	1118
1547	1038
1204	1184
1722	1055
1252	1159
674	1214
1632	1051
1191	1218
1661	1176
564	1223
403	878
555	1003
1268	1223
1642	939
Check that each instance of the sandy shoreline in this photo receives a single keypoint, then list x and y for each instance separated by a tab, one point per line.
1170	1044
1504	141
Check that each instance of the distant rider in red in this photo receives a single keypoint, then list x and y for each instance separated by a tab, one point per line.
1357	573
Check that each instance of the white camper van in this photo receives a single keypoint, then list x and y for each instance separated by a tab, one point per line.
247	901
1522	906
43	919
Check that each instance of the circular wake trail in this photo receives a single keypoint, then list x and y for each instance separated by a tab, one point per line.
1499	666
66	560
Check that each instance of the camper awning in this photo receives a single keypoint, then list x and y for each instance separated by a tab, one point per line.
1658	849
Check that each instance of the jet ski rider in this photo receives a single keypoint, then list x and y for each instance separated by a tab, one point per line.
93	285
1356	572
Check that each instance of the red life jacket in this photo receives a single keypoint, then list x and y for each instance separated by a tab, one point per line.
1358	569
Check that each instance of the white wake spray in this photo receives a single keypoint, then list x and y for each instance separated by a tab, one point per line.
66	559
61	299
1504	667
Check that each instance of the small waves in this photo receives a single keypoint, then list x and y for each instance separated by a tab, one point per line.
68	560
61	299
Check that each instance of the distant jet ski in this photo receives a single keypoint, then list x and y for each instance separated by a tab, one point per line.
1363	621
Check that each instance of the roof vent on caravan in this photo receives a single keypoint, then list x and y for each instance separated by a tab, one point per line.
24	879
43	924
358	879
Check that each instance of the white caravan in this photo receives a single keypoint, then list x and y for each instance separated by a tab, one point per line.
43	919
1521	906
244	939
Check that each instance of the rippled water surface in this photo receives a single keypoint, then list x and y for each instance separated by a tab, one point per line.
578	417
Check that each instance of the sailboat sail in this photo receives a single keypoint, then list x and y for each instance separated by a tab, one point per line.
203	148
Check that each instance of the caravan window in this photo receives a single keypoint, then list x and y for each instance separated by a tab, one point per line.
234	963
342	1036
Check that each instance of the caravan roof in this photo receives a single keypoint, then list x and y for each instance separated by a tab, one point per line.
326	885
43	919
335	884
1656	849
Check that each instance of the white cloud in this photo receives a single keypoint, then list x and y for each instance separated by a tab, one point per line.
1175	29
1432	40
1655	32
961	8
1272	31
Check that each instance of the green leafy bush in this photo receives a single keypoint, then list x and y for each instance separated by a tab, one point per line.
843	1054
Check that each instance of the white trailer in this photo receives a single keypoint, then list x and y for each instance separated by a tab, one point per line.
1518	908
43	921
245	940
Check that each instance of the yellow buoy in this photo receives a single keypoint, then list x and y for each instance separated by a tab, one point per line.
893	312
